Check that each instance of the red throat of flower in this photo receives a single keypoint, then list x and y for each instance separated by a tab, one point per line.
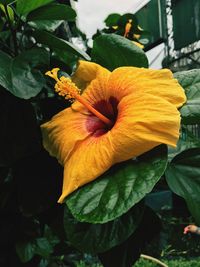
66	88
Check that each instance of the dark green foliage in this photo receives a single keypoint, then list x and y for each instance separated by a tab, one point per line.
97	238
183	177
127	253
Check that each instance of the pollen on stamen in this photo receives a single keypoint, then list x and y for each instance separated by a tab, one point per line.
64	86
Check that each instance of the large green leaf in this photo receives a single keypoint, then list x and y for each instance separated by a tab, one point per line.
53	12
119	189
24	8
190	81
97	238
183	177
54	42
21	75
113	51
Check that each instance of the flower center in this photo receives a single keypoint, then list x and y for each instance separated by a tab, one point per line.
108	108
65	87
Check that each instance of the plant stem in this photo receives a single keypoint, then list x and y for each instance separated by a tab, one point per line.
13	32
147	257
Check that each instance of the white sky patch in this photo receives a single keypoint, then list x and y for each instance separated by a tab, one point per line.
92	13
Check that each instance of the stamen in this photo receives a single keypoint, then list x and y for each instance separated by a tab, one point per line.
66	88
128	27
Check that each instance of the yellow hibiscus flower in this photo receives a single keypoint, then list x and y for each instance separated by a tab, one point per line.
120	115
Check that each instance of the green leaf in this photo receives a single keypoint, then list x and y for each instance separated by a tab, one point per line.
10	12
25	251
4	36
21	75
112	19
183	177
187	140
53	12
54	42
113	51
23	8
97	238
50	236
190	81
119	189
48	25
5	75
127	253
43	247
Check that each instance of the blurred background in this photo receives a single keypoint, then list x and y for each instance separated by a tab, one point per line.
173	26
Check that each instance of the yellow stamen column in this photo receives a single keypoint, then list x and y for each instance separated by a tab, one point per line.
66	88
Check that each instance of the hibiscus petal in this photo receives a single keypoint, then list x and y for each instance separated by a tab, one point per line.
89	160
126	80
144	121
96	78
86	72
62	132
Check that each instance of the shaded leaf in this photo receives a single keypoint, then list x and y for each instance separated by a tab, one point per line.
113	51
183	178
190	81
54	42
25	250
43	247
23	8
187	140
53	12
48	25
96	238
5	76
127	253
119	189
21	75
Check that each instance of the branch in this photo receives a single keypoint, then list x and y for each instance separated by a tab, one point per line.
146	257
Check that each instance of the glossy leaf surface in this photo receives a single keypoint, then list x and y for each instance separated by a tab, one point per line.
190	81
113	51
96	238
119	189
183	177
57	43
